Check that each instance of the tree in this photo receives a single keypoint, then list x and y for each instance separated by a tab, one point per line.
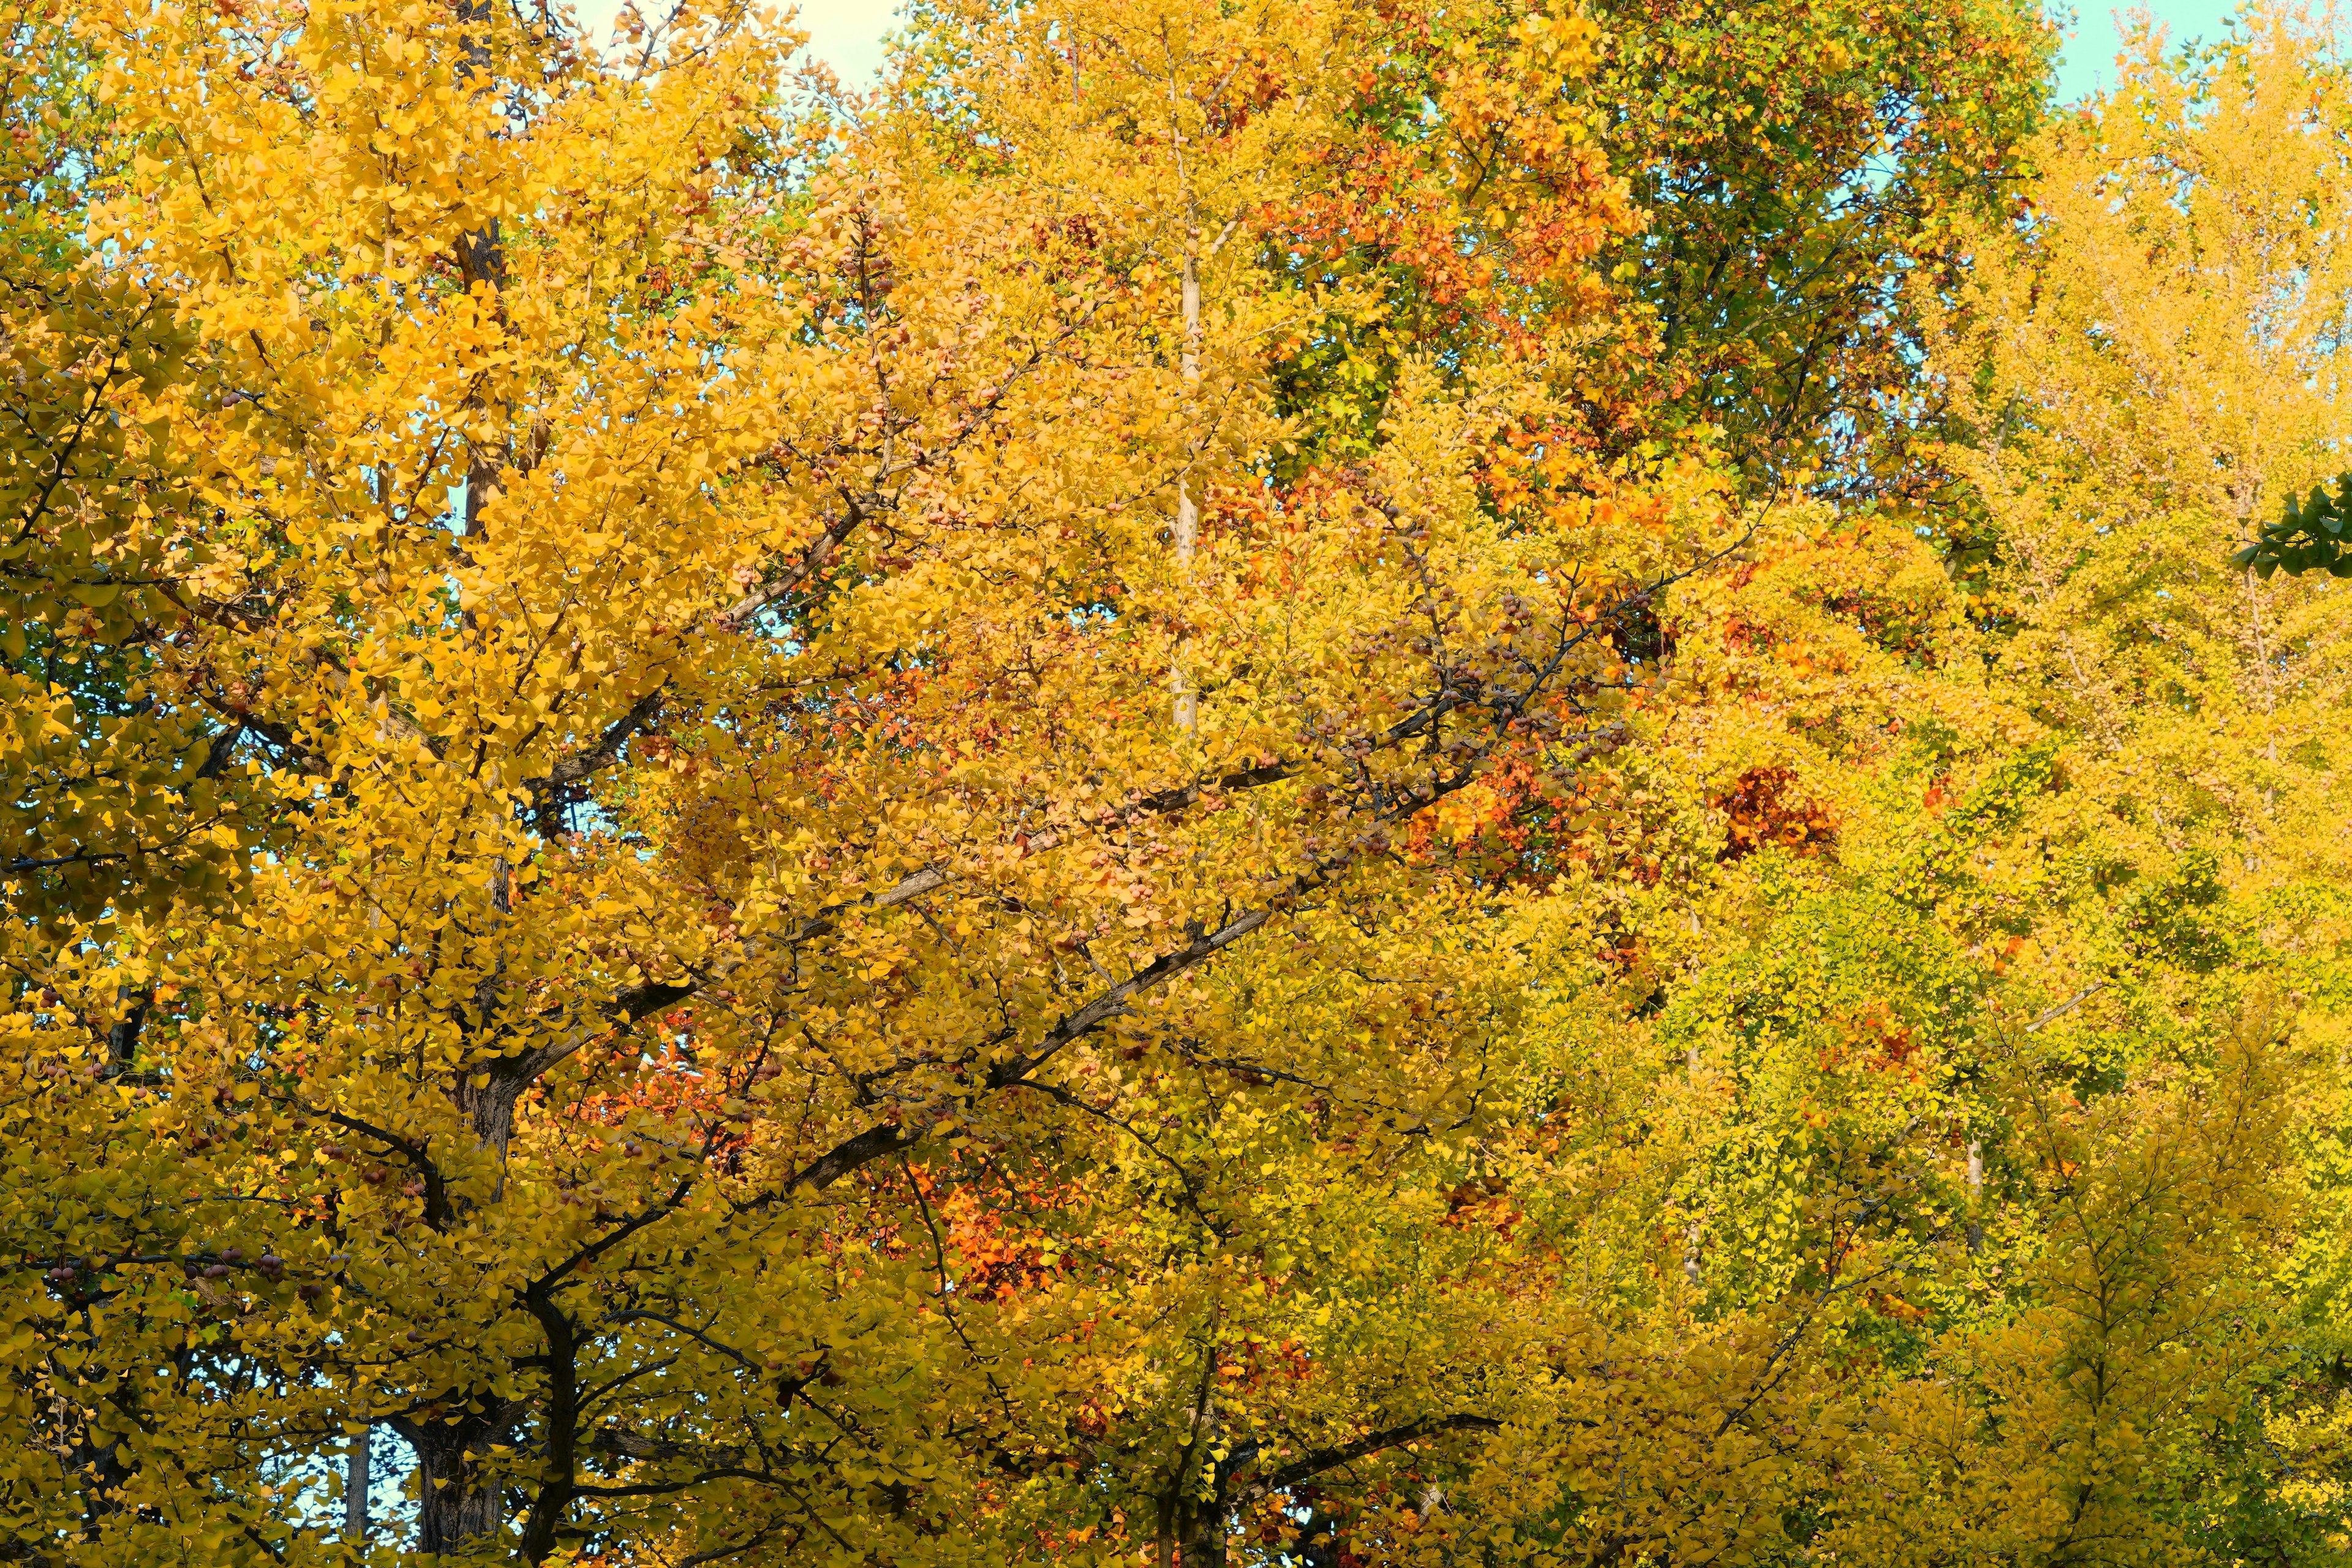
1808	173
664	623
2146	368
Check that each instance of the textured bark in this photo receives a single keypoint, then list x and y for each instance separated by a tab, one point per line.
456	1503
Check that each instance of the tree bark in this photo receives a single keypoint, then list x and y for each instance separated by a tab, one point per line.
1976	1194
1188	516
356	1488
456	1502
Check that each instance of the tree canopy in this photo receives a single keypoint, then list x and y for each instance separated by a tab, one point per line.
1338	783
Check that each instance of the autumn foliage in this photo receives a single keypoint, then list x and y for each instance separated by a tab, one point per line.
1331	783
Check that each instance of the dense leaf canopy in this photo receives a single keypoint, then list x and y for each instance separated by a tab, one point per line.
1284	782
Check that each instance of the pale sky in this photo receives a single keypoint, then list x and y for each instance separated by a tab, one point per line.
847	34
2090	60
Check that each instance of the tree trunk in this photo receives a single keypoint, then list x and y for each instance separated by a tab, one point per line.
1691	1236
1188	516
1205	1534
1976	1194
456	1502
355	1488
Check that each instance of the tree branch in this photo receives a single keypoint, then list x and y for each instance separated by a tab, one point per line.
437	1212
1322	1459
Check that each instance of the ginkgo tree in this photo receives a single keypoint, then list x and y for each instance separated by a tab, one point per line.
623	783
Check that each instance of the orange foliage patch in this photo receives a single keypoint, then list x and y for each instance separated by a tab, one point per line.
1761	808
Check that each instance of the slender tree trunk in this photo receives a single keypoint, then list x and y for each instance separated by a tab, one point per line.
1976	1194
356	1488
1187	517
481	259
1691	1236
